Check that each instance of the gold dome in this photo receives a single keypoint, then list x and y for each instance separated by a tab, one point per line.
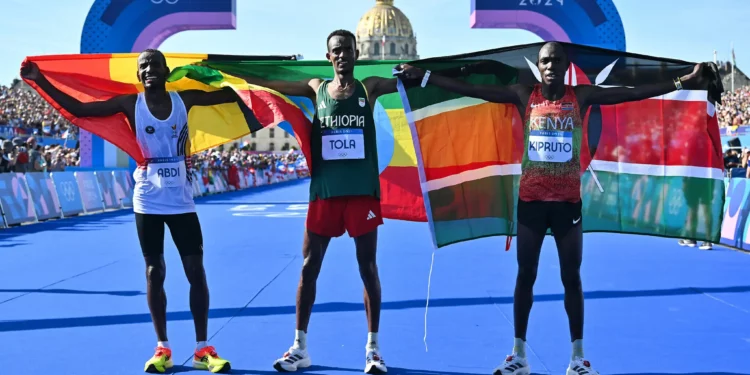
384	19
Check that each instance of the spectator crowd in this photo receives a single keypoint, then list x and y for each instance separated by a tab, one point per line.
735	107
24	112
26	155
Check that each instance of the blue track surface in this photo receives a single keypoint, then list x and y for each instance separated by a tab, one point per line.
72	299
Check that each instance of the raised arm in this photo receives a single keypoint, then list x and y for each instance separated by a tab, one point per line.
306	88
491	93
104	108
698	79
202	98
377	86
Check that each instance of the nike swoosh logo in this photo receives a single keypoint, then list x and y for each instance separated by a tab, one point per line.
576	221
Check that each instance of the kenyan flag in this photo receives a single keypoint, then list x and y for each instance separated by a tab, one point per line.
651	167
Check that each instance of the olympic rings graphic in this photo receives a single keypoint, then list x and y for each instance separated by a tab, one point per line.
170	2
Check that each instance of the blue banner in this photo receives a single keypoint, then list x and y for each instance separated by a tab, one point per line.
68	195
123	187
107	189
17	205
43	195
736	213
90	195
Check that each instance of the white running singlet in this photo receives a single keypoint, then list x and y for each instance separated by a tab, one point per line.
163	186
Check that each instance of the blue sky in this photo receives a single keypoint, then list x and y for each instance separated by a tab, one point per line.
683	29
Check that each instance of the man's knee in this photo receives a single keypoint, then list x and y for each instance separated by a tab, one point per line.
571	278
526	274
367	247
194	270
156	272
314	249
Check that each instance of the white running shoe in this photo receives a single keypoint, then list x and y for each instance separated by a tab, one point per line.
580	366
513	365
706	246
293	359
689	243
374	364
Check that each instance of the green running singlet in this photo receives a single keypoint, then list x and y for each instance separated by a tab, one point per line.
343	146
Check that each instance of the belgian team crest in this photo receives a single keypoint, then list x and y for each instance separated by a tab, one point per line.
361	102
174	131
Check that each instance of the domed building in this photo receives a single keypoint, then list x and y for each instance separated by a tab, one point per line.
384	33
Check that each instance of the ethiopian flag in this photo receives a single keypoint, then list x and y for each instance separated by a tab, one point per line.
652	167
99	77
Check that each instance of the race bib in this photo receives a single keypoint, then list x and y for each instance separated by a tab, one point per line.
550	146
166	172
340	144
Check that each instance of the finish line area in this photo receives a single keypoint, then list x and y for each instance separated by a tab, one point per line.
72	298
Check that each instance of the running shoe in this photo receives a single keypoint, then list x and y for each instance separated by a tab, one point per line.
580	366
706	246
686	243
293	359
374	364
160	362
513	365
207	359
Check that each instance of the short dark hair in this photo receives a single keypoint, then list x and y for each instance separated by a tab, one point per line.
156	52
341	32
554	44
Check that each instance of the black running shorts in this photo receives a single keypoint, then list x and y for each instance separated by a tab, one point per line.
558	216
185	230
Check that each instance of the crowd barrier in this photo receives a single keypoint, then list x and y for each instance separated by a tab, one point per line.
38	196
735	228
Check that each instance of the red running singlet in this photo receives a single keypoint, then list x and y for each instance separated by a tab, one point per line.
551	166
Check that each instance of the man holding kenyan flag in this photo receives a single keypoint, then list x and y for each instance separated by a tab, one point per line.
553	114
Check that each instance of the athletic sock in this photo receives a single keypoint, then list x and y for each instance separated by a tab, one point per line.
577	349
372	341
519	347
300	340
200	345
163	344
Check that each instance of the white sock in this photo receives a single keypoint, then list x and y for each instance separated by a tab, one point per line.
200	345
577	349
300	340
372	341
163	344
519	348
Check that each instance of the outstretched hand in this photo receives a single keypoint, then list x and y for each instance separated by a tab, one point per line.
705	76
407	71
29	70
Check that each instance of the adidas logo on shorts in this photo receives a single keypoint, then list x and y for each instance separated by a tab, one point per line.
371	215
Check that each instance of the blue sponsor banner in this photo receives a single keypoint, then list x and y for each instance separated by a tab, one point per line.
123	187
18	206
736	212
739	131
107	188
68	194
43	195
90	195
